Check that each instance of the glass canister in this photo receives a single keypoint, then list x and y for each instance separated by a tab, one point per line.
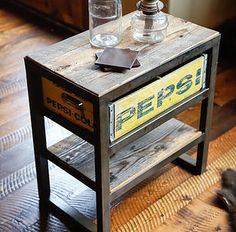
149	24
105	22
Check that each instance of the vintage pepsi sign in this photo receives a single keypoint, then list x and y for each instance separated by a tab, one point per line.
131	111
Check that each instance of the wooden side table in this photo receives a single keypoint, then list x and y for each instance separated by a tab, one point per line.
122	123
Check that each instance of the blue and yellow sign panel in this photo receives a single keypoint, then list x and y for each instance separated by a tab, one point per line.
140	106
68	105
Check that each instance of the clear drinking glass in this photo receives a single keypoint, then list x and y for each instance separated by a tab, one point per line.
105	22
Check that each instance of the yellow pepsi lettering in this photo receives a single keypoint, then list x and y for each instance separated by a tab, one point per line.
142	105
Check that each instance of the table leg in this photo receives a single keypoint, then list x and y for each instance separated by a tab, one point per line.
206	111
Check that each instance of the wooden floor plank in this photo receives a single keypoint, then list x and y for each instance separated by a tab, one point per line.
16	158
19	37
180	197
16	206
199	216
13	125
13	106
17	214
154	190
15	44
191	115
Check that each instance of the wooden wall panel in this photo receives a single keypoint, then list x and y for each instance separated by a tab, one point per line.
129	6
72	12
41	5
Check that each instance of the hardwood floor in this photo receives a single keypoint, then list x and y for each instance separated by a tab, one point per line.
19	36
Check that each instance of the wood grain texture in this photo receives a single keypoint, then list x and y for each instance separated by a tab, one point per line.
22	213
203	214
165	207
77	63
18	136
17	214
133	160
17	39
173	191
13	106
18	130
16	158
13	125
73	12
126	216
14	45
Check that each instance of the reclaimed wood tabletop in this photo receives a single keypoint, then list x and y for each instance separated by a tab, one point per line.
74	58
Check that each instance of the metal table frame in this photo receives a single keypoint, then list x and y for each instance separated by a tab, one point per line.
100	137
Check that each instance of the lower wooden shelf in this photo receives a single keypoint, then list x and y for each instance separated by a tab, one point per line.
131	162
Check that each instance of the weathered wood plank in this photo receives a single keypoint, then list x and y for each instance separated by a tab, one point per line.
76	64
202	215
20	211
18	38
13	106
17	208
16	137
145	153
181	196
15	44
133	160
16	158
12	125
16	131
